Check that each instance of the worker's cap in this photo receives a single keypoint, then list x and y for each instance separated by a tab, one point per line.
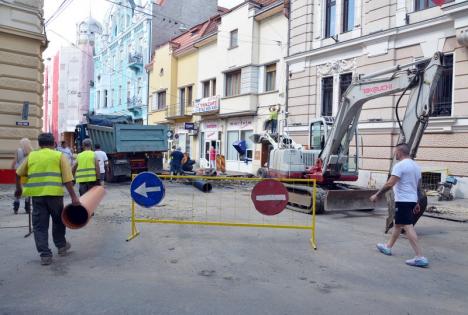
46	139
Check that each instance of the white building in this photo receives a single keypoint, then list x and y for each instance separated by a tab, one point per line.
241	73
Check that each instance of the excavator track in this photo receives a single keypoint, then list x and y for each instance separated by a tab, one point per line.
336	198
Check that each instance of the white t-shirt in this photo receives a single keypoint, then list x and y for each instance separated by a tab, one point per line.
406	189
102	157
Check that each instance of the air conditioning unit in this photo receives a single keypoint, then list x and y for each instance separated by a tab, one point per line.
193	132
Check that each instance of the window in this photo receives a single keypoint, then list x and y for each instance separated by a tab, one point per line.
233	83
182	100
232	136
327	96
98	99
235	135
348	15
317	136
442	101
345	81
233	39
330	16
206	88
161	100
105	98
120	95
426	4
129	88
270	77
189	95
139	87
111	98
213	87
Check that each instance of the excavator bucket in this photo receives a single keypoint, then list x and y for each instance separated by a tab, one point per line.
339	200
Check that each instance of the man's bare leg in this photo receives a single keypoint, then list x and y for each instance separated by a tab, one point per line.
413	239
395	234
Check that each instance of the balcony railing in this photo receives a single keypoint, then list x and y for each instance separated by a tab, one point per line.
135	61
134	101
177	111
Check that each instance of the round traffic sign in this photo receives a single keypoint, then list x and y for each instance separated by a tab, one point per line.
147	189
270	197
438	2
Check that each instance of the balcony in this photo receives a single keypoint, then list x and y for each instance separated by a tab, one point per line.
135	61
134	104
176	111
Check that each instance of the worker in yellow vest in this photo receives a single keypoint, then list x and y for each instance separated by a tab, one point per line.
47	170
86	170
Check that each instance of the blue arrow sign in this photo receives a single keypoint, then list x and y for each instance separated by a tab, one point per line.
147	189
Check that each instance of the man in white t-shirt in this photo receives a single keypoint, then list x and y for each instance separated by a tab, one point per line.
404	180
103	161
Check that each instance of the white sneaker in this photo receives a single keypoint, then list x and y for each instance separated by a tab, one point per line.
418	262
384	249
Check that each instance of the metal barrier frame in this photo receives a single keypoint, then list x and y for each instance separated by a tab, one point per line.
134	220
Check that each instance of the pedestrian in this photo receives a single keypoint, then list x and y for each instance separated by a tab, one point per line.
21	153
103	162
404	179
86	170
66	151
47	170
187	163
273	118
176	161
212	155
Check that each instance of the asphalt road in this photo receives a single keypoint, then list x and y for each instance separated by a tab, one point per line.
176	269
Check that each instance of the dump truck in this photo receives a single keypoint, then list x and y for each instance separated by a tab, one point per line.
131	148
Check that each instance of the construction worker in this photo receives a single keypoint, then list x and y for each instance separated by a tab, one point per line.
86	170
47	170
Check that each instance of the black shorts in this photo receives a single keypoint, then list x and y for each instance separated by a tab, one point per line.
404	212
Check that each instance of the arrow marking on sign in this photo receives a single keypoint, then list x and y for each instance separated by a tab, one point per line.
143	190
270	197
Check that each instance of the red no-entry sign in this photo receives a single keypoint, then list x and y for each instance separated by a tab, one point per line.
270	197
439	2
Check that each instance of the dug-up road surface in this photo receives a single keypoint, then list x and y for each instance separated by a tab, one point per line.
192	269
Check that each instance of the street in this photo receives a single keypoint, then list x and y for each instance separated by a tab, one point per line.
184	269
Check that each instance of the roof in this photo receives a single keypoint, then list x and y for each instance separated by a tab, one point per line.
186	40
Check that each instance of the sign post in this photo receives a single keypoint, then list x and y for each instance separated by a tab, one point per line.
270	197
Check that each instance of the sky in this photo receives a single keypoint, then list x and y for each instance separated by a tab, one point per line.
61	31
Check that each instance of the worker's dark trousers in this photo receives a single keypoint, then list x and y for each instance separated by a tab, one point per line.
43	207
84	187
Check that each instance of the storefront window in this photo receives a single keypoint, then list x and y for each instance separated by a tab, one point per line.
232	136
245	134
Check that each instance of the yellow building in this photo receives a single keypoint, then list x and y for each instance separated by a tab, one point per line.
22	42
173	75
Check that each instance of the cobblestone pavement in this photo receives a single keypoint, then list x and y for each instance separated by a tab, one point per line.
179	269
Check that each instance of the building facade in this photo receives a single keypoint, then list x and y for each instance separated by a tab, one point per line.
22	41
132	30
330	42
68	78
241	69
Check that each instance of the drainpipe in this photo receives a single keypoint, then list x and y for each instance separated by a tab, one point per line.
286	92
150	43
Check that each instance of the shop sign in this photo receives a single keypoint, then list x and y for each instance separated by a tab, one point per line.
240	124
205	105
189	126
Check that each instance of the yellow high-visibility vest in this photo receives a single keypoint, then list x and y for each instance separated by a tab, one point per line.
44	174
86	171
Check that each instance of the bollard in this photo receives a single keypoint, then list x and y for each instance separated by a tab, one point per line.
202	185
75	217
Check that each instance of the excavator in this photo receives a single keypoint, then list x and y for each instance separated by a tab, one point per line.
332	159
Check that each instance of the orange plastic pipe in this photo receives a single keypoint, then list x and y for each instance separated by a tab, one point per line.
75	217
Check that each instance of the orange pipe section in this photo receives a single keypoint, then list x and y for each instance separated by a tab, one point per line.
75	217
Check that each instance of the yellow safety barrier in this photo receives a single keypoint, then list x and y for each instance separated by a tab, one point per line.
266	221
